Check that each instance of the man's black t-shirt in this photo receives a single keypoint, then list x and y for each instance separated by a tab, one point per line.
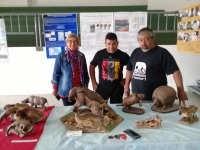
110	66
149	69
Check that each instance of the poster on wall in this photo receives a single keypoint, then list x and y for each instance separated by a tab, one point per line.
3	42
56	28
93	28
188	35
126	26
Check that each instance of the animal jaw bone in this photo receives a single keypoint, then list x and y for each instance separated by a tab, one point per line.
153	122
19	127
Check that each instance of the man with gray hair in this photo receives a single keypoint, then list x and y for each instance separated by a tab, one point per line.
148	66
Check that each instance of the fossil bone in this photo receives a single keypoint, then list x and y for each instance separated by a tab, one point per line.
86	97
153	122
132	99
164	96
23	111
36	100
19	127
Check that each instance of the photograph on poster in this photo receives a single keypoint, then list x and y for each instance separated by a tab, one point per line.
199	38
47	35
67	33
52	39
180	15
194	24
53	33
180	35
188	26
61	36
185	25
109	25
186	37
185	14
92	28
121	25
195	35
198	24
103	26
180	26
191	12
198	10
54	50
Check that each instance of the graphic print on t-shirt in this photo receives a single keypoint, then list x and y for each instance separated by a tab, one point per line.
110	69
139	71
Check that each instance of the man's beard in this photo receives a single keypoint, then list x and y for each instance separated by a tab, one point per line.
145	50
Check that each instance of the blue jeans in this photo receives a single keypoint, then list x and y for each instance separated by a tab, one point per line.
67	103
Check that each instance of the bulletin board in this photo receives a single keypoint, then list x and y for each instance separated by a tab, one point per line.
188	33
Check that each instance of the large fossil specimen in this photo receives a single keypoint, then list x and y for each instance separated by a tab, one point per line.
20	127
164	97
23	111
86	97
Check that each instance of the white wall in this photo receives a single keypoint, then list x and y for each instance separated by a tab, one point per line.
167	5
35	3
88	2
170	5
13	3
29	71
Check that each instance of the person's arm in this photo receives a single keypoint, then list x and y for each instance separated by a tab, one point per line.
179	84
125	64
85	72
55	90
127	82
93	78
56	75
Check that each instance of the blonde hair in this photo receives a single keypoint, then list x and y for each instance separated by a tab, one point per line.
72	35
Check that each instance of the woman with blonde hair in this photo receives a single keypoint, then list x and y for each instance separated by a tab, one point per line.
70	70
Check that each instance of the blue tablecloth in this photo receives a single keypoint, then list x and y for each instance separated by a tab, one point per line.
171	134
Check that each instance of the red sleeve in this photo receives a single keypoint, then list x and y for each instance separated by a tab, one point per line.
55	87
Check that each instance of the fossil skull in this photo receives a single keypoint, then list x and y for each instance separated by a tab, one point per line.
19	127
153	122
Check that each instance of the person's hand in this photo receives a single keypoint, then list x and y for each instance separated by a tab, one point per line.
95	85
127	90
55	93
182	97
122	82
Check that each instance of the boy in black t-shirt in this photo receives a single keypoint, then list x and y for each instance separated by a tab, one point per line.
148	67
110	62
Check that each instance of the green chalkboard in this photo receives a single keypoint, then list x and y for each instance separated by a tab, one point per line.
29	40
